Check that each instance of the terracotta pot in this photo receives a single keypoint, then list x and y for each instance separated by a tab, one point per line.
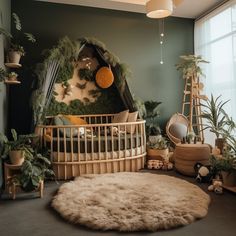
161	154
14	57
229	178
219	143
13	78
17	157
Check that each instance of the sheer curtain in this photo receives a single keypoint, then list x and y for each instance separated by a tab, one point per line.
215	41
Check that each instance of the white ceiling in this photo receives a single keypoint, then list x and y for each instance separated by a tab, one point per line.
187	9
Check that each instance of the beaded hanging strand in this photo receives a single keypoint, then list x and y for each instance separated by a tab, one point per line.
161	38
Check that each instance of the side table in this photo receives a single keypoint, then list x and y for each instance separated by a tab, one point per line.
12	188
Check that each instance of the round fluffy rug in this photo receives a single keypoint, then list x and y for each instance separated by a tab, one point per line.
131	202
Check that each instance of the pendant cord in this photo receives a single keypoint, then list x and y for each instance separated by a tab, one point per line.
161	38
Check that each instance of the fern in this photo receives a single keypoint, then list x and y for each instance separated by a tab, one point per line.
17	21
30	37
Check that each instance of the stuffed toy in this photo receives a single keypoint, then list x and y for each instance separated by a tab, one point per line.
159	165
203	173
154	164
216	187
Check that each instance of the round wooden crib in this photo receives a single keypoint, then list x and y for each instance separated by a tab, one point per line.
102	147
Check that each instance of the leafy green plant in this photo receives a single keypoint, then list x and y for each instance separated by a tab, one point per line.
152	113
189	66
160	144
86	74
227	163
34	170
215	115
19	142
15	39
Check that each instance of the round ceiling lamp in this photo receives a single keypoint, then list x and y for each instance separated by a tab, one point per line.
159	8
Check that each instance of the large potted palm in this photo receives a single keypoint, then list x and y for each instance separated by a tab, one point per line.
217	120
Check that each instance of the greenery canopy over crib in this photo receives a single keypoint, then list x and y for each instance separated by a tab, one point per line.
72	65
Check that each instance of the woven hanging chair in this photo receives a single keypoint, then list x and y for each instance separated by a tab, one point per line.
176	118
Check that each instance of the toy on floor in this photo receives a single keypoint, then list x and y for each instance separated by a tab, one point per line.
216	186
159	165
203	173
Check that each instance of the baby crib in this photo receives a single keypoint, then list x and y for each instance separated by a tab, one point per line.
103	147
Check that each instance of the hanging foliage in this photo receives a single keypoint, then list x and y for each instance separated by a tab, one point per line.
66	54
86	74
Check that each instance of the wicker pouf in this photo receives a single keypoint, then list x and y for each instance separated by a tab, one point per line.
187	155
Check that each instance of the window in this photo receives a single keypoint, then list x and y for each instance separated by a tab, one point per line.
215	41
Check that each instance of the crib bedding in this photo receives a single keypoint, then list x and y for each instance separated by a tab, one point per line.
66	144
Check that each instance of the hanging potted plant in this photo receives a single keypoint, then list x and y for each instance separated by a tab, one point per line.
16	50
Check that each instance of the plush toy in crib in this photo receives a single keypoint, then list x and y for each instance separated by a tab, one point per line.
116	131
216	186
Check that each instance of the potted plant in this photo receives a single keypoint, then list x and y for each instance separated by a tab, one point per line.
16	50
18	148
34	170
151	115
12	76
225	166
217	119
159	149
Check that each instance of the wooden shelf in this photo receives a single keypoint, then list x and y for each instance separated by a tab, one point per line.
230	188
12	82
13	65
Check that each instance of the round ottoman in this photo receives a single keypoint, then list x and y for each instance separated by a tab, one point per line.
187	155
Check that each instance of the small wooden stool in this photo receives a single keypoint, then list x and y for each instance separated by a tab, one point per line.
12	188
187	155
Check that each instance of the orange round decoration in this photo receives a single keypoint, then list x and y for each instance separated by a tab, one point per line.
104	77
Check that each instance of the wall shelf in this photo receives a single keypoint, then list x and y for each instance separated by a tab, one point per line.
12	82
13	65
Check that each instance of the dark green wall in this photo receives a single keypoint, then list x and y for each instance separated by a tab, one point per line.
132	37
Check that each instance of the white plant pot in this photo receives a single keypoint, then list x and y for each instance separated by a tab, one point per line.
14	57
17	157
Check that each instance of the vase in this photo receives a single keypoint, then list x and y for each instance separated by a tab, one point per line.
229	178
14	57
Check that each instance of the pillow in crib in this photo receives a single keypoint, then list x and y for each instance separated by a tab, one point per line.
121	117
75	120
132	117
62	121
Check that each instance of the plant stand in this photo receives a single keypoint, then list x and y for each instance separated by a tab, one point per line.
13	188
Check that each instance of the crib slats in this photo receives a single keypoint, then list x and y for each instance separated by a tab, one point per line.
103	149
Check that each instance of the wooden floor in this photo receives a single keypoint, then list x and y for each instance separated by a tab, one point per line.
28	215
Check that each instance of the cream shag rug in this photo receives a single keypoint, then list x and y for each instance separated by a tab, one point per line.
131	202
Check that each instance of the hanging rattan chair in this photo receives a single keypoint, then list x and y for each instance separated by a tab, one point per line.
176	118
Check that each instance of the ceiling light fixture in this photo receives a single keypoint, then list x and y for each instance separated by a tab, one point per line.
159	8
